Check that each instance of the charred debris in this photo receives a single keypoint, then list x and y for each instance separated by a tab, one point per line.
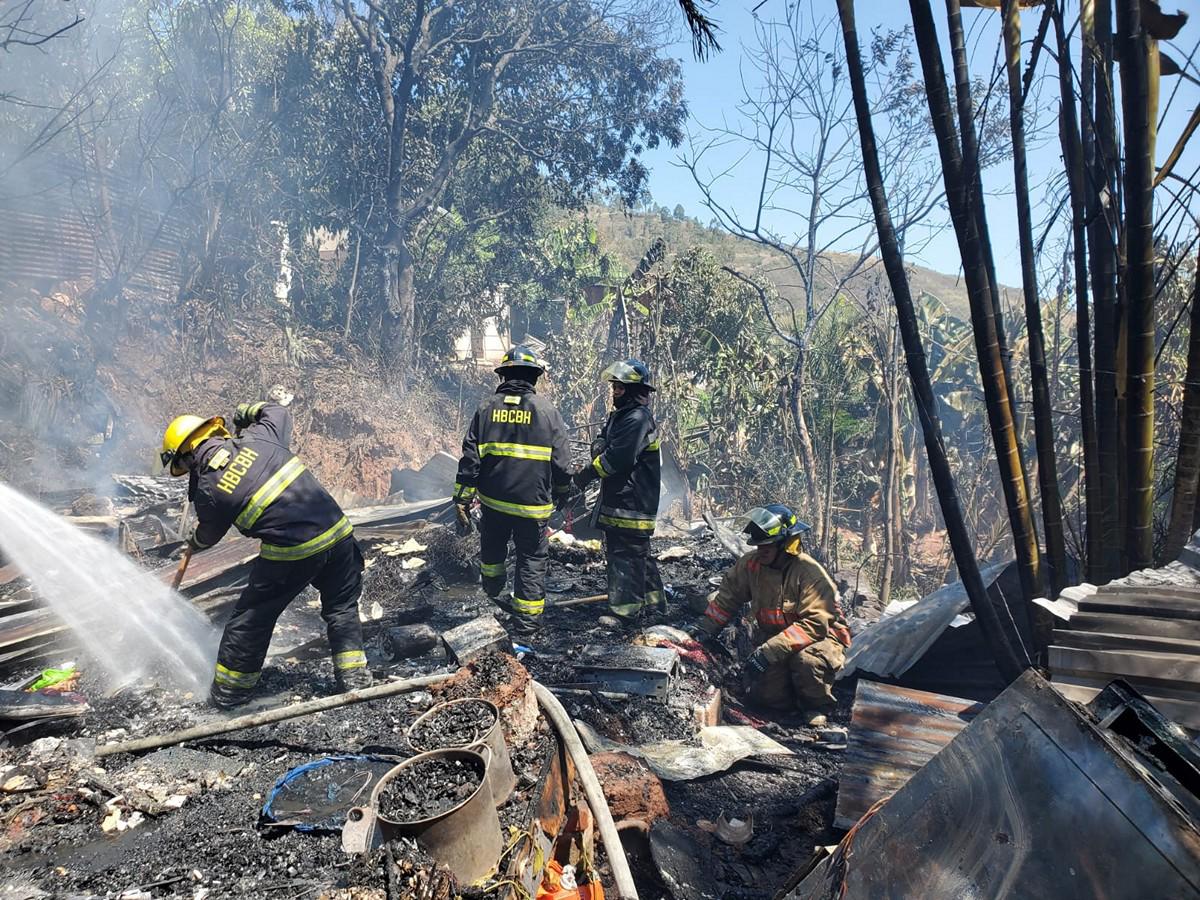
597	760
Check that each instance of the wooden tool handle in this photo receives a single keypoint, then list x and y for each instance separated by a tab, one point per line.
183	564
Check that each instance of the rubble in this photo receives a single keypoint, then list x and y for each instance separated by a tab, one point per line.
1033	792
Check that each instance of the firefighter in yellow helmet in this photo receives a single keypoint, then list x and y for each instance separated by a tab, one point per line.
255	483
799	628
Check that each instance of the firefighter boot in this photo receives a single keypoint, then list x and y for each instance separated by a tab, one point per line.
523	624
223	696
353	679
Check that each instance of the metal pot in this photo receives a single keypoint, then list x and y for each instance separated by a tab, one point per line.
466	839
500	771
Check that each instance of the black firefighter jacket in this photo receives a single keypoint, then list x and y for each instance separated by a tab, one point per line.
515	456
256	484
628	463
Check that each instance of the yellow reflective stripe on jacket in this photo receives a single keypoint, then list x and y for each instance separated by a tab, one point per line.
599	467
464	491
232	678
515	451
322	541
349	659
269	493
517	509
636	524
653	445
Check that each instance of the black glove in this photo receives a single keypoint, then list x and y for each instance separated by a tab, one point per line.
697	633
464	519
584	477
246	414
562	500
757	664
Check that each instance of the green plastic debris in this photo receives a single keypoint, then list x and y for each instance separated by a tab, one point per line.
51	677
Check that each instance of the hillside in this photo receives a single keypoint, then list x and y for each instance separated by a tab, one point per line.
628	235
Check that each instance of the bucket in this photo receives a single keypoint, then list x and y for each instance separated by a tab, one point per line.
500	771
466	839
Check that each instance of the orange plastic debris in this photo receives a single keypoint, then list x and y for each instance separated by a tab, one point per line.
551	887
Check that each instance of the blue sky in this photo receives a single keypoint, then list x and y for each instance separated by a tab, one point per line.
714	87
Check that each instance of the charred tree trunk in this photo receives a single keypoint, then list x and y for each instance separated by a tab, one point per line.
1043	413
1073	155
1139	103
1187	463
993	618
1103	210
984	325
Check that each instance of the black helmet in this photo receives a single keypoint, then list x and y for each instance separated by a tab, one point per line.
520	357
629	371
770	524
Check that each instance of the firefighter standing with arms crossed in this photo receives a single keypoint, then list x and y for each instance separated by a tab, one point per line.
255	483
516	461
801	634
627	462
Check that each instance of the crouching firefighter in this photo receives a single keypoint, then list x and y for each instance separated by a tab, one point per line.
626	459
516	461
800	633
255	483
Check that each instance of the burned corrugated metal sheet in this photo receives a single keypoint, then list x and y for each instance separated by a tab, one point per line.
894	731
891	646
52	232
1031	800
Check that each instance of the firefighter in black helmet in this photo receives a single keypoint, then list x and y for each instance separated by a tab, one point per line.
516	462
626	459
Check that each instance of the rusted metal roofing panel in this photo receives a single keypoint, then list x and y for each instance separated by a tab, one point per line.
894	731
1032	799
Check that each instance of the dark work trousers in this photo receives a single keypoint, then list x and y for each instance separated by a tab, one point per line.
633	578
533	552
336	573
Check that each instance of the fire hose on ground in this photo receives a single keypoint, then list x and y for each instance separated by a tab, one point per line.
626	890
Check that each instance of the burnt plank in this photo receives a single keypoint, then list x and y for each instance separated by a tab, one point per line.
1117	623
1099	640
1153	590
1169	667
1144	605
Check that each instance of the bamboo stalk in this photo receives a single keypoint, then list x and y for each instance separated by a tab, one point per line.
1010	656
1138	83
1073	154
984	326
1043	415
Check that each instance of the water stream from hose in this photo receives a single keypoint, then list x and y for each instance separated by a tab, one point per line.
132	625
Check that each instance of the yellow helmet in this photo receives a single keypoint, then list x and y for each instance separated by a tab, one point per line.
184	434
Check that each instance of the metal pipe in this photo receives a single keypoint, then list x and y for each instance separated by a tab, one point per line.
626	890
267	716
